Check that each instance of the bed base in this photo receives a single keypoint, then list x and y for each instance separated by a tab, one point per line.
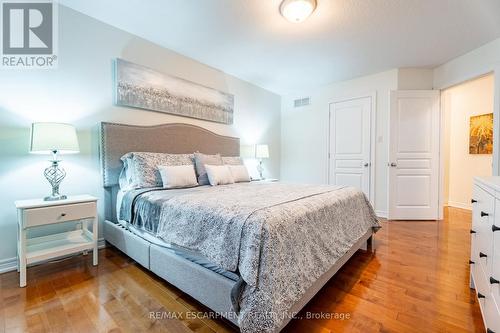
209	288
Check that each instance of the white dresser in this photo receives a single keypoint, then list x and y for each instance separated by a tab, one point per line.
485	249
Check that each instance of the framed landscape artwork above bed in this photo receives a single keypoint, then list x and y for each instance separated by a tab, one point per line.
142	87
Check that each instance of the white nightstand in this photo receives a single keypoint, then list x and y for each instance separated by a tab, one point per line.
37	212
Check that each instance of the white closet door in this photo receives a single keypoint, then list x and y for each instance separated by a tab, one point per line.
414	155
350	139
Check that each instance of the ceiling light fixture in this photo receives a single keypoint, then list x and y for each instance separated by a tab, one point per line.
297	10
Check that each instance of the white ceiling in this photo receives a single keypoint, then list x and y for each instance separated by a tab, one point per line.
341	40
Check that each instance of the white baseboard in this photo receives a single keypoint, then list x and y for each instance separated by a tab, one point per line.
459	205
381	213
10	264
7	265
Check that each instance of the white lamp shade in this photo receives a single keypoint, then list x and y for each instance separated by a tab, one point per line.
49	137
262	151
247	151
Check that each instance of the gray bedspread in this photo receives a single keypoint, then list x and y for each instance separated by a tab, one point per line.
280	237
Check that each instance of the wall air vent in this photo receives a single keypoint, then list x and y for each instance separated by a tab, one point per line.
301	102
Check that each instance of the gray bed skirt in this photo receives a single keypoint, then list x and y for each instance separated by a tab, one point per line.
209	288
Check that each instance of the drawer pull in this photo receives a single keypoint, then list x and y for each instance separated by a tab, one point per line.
63	214
472	231
479	295
482	255
493	280
494	228
473	201
471	262
484	214
489	331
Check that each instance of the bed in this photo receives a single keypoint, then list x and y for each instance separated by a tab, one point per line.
255	253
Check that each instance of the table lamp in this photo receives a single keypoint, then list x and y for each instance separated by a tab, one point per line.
261	151
55	139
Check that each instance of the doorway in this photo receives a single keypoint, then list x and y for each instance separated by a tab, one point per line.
413	167
351	148
467	138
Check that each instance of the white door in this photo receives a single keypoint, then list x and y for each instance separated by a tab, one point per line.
350	140
414	155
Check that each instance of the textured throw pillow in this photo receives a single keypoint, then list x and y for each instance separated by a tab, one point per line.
239	173
232	160
126	180
143	166
200	160
178	176
219	174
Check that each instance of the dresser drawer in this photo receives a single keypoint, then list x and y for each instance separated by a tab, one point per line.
495	267
483	195
483	217
485	248
484	207
489	303
495	238
474	247
495	293
486	266
55	214
491	314
486	303
480	281
484	202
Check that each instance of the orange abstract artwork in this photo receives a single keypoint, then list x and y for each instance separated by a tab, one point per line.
481	134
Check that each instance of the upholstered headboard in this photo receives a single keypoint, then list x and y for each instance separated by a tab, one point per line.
118	139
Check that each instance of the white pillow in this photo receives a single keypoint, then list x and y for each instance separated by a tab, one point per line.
177	176
240	173
219	174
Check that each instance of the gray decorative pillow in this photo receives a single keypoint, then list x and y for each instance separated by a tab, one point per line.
143	167
232	160
124	180
199	162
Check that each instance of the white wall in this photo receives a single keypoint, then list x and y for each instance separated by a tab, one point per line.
468	66
415	79
304	131
80	92
480	61
459	103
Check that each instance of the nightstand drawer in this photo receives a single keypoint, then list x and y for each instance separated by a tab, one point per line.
55	214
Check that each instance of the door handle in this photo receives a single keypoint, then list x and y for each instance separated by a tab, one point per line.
393	165
482	255
493	280
494	228
366	164
484	214
473	201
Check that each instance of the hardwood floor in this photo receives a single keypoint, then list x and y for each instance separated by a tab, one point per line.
416	279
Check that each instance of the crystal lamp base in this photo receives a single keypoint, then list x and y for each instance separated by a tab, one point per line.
55	176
